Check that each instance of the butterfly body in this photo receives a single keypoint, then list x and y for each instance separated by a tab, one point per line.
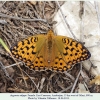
51	52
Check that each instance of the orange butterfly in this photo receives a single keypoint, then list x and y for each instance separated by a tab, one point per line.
43	52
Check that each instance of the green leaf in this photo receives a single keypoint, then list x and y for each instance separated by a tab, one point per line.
4	45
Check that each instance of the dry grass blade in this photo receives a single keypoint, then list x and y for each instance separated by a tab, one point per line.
4	45
13	65
41	85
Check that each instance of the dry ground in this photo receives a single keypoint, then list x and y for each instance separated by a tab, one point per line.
18	21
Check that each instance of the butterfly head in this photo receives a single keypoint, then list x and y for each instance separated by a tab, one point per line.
50	32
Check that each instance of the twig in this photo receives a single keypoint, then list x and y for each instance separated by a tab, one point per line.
71	77
66	21
31	80
97	10
82	9
94	46
23	19
3	22
12	65
41	86
5	71
76	80
19	68
66	89
84	82
22	70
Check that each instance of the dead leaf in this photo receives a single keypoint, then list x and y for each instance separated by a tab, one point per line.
96	80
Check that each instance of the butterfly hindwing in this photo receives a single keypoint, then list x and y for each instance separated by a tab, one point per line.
59	64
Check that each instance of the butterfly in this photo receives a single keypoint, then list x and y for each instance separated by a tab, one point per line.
50	52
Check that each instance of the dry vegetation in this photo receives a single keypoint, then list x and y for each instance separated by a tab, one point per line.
20	20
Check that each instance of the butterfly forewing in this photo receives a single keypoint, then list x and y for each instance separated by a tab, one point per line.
28	49
73	51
